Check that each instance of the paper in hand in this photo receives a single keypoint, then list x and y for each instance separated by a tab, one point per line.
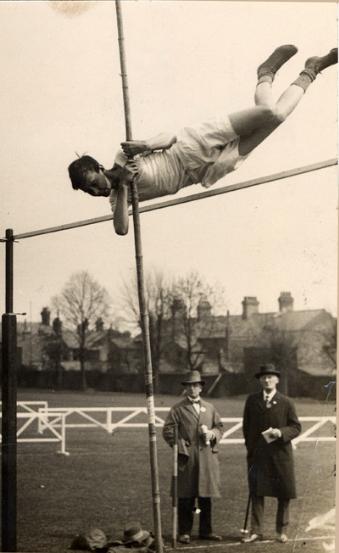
268	436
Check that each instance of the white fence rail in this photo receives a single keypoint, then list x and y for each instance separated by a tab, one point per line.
30	406
32	416
105	418
51	423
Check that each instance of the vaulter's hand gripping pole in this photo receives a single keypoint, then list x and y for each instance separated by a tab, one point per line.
142	302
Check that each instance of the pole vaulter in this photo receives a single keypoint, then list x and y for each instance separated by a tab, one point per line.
199	154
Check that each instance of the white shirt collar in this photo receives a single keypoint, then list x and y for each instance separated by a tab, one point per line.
194	400
269	396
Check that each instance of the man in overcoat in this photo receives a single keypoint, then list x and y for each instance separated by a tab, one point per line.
199	429
270	423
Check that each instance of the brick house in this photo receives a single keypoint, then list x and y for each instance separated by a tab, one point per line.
229	343
42	345
224	344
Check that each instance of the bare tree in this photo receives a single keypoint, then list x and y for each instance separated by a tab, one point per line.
172	307
158	301
283	351
330	343
56	349
193	294
81	302
291	348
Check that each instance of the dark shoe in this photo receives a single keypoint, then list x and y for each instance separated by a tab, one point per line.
211	537
317	64
184	538
280	56
252	538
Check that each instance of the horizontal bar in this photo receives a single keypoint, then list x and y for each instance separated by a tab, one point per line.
185	199
38	440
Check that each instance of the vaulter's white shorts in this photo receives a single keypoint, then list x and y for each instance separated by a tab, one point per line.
210	150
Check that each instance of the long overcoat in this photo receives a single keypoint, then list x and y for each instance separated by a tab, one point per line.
270	465
198	465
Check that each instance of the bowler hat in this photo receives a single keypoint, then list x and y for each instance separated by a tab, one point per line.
134	533
193	378
268	368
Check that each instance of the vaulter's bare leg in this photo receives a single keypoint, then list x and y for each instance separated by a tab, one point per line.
254	125
247	121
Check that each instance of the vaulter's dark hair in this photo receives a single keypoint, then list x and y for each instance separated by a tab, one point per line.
77	170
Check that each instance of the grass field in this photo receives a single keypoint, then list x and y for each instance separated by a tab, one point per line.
105	482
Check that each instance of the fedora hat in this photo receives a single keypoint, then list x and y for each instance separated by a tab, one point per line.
133	533
268	368
193	378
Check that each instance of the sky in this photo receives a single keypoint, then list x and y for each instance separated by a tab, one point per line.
186	61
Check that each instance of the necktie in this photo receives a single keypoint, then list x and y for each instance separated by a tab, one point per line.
196	404
192	400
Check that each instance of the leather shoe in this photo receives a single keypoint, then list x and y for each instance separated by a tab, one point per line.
252	538
211	537
184	538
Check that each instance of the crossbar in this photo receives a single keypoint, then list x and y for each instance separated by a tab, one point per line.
185	199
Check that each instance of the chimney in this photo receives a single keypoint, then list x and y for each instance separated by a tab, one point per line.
203	309
178	308
57	326
99	325
285	301
179	315
45	316
250	306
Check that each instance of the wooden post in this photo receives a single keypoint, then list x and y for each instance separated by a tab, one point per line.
142	303
9	424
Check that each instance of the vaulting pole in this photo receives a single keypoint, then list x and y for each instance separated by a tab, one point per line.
9	392
142	302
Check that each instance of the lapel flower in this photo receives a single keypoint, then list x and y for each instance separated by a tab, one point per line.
274	403
202	409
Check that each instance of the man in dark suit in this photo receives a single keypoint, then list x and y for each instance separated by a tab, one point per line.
199	430
270	423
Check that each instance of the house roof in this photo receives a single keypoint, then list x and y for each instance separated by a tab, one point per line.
70	339
124	342
300	320
290	321
95	338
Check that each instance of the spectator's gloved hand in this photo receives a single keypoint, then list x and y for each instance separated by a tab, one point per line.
208	435
276	433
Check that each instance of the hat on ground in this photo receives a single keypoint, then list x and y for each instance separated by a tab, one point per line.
134	533
91	540
268	368
193	378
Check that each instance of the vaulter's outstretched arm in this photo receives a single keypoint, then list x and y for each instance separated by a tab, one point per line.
162	141
120	217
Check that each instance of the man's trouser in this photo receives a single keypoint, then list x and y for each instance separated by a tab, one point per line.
257	516
186	515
